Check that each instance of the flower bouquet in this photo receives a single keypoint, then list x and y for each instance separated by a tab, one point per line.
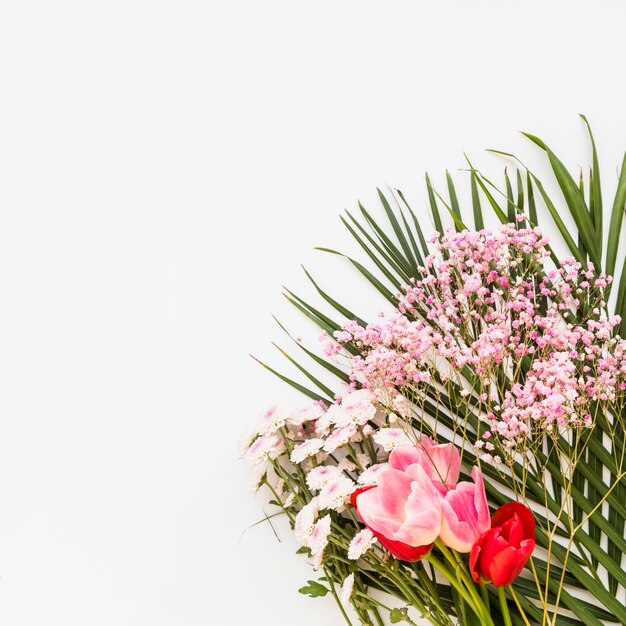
468	465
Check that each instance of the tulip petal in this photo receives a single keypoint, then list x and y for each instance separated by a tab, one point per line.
374	514
500	554
492	543
508	564
403	551
465	514
474	558
394	489
507	510
483	521
403	456
443	464
515	531
360	499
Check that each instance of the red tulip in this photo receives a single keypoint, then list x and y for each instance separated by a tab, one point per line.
399	549
500	554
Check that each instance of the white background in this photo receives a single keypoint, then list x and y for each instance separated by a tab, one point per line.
164	168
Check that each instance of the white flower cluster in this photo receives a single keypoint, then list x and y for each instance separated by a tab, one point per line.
316	458
312	532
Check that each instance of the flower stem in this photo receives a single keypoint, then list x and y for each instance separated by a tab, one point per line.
478	606
504	606
484	592
337	600
454	582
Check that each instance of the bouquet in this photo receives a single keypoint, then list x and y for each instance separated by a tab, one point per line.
468	465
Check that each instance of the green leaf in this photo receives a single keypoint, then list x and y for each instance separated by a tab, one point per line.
313	589
434	209
396	616
454	208
510	203
382	259
419	260
320	385
333	369
416	223
403	263
397	229
372	279
615	227
373	256
595	191
293	383
532	207
479	224
575	202
336	305
571	244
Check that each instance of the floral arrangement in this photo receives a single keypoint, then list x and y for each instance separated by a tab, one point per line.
468	467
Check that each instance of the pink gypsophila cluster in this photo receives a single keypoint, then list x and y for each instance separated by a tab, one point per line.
485	315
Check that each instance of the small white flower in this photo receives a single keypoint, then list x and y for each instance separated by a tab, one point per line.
318	540
306	449
335	414
359	399
267	447
305	522
272	419
318	560
280	487
289	500
346	590
335	494
323	424
308	414
390	438
346	465
372	475
258	474
363	459
360	544
246	440
339	437
318	477
356	408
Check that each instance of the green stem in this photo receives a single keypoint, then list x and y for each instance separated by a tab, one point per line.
331	584
504	607
484	592
477	603
454	582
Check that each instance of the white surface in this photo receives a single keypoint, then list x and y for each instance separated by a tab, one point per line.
164	168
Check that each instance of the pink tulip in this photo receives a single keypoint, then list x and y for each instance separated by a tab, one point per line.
465	514
404	507
400	550
441	462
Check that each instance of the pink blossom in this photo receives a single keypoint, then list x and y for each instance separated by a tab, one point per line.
441	463
404	507
465	514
